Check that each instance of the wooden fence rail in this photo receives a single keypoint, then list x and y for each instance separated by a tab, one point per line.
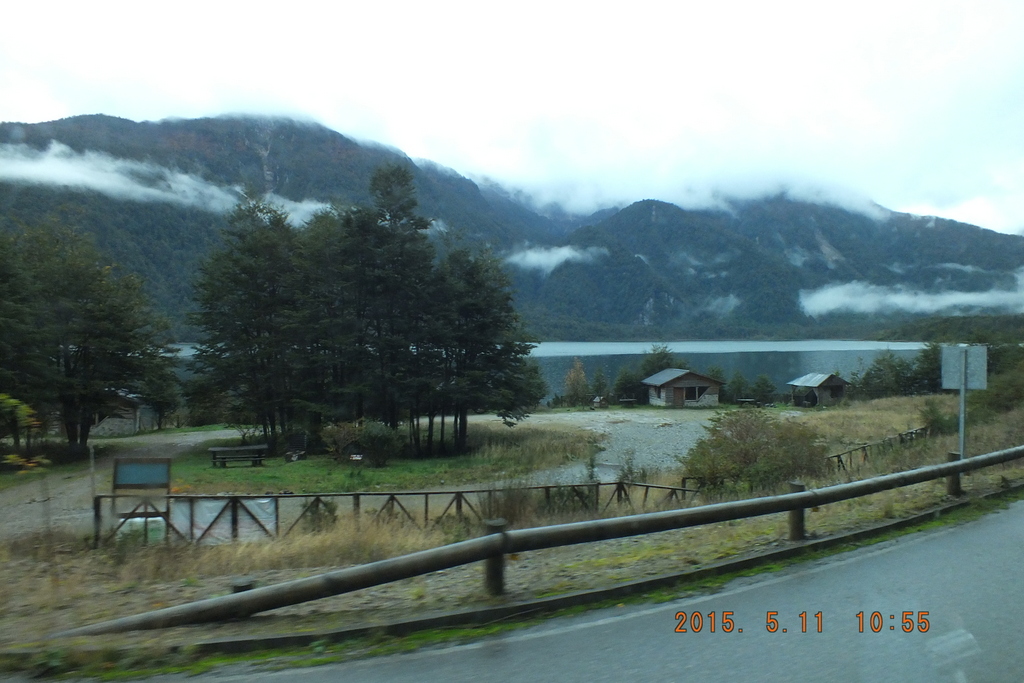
239	517
492	547
889	442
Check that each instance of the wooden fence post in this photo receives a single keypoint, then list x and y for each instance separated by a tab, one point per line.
494	566
953	481
97	522
796	517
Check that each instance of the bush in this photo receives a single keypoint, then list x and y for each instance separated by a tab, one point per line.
1005	392
380	443
936	421
751	447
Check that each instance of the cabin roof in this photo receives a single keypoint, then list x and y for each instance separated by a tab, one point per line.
671	374
815	379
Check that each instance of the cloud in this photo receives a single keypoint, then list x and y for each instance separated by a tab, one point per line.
546	259
298	212
60	166
861	297
723	305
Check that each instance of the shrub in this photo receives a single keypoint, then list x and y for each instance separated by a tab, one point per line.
753	448
380	443
936	421
339	437
1005	392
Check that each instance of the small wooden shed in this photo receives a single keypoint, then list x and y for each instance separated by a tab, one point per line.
681	388
126	414
818	389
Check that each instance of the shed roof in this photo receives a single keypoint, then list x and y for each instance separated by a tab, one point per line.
665	376
814	379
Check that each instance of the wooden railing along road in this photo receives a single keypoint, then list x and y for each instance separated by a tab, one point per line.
493	547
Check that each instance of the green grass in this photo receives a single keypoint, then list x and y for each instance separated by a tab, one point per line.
193	473
499	454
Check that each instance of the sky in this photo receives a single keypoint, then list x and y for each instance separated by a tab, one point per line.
918	106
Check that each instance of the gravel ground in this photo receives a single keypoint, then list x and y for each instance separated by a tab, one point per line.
653	439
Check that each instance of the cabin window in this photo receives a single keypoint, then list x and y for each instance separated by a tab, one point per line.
694	393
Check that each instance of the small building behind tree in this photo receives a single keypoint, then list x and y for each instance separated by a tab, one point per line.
682	388
818	389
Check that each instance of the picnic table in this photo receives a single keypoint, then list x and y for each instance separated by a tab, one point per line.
222	455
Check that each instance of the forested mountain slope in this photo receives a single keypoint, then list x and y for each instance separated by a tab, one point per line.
155	196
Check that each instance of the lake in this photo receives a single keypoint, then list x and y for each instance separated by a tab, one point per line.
781	360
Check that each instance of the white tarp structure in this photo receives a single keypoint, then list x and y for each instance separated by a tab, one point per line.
222	520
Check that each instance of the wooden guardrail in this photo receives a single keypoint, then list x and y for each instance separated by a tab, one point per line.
493	547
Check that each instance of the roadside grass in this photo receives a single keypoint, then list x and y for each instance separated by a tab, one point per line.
121	663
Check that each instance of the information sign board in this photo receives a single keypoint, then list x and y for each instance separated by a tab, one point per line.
953	363
142	473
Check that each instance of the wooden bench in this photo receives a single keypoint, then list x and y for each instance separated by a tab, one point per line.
222	455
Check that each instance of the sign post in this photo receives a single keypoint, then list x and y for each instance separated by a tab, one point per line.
964	367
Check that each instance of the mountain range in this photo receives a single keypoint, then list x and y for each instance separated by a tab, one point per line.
155	196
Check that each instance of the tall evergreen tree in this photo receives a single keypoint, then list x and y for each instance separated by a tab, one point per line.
245	294
354	316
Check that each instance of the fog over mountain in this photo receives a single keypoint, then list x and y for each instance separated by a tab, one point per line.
747	263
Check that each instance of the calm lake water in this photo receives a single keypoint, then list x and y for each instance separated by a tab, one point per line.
781	360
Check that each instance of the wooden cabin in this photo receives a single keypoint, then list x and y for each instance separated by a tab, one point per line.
818	389
682	388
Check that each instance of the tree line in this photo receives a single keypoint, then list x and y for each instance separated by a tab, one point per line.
629	385
357	316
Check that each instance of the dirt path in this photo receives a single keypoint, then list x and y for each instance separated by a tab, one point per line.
23	507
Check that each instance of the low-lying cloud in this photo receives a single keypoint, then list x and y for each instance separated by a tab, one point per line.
298	212
126	179
546	259
61	166
861	297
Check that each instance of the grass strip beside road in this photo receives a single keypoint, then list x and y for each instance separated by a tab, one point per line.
114	663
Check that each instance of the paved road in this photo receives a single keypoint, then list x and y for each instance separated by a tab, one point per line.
969	579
